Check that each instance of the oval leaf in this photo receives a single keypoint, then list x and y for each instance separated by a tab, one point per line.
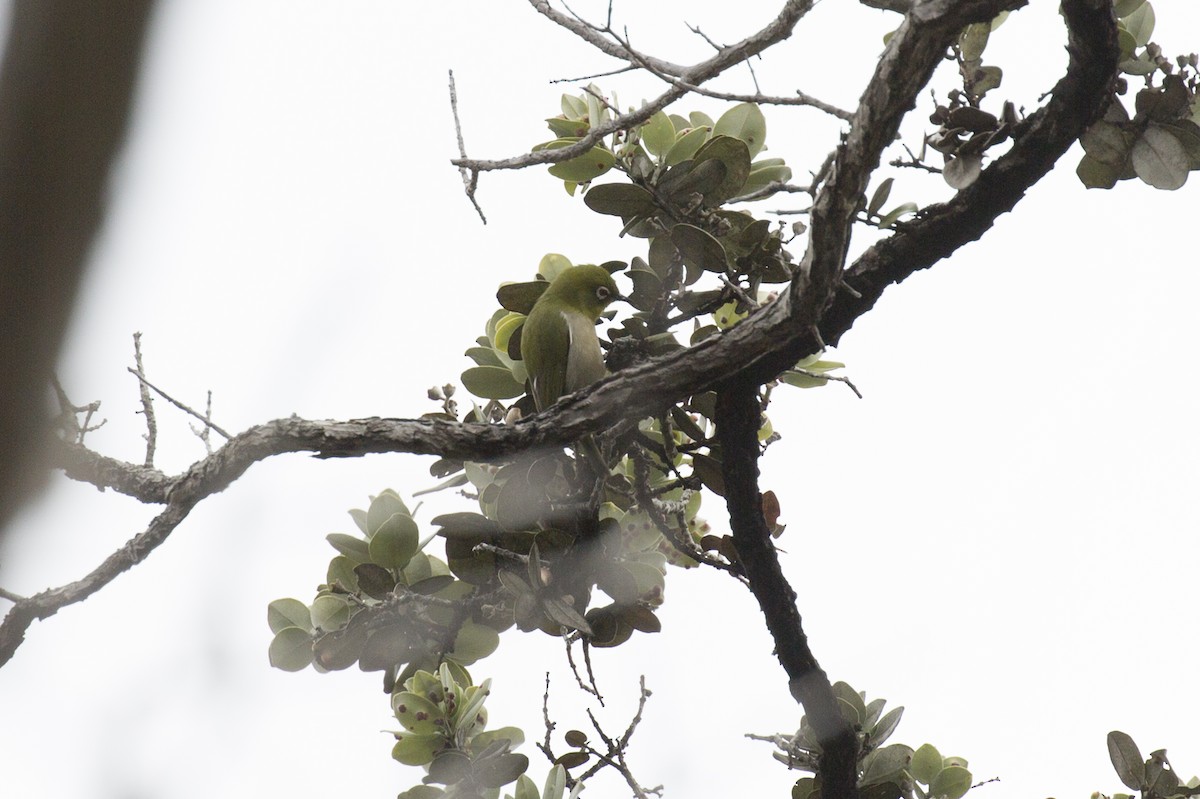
746	122
951	782
284	613
699	248
620	199
492	382
394	544
586	167
291	649
1160	159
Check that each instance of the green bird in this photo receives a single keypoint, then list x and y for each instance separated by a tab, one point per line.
558	343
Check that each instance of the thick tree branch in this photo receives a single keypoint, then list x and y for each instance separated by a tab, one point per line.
738	417
68	76
1075	102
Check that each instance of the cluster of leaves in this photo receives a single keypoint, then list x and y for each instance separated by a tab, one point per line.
445	733
1153	777
385	605
965	130
1160	143
885	772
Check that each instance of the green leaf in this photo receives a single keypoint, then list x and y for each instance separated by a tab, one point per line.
474	642
1106	143
498	771
620	199
374	580
291	649
418	714
686	145
735	156
383	507
926	763
573	107
699	248
514	735
879	197
1160	159
700	119
1123	8
746	122
351	546
885	765
284	613
330	613
951	782
886	726
492	382
552	265
973	40
708	469
417	750
1097	174
520	297
962	171
395	542
889	219
658	134
1140	24
556	783
1127	760
988	78
573	759
584	168
762	176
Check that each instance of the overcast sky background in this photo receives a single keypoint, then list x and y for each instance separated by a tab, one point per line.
1001	536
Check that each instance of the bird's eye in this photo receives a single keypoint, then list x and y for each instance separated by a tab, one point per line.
602	293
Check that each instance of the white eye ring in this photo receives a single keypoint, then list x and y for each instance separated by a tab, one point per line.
602	292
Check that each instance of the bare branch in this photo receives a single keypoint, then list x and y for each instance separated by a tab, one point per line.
147	400
776	31
208	422
470	177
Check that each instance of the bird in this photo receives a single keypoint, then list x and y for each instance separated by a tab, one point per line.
558	343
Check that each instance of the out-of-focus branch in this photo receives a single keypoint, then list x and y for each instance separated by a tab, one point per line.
68	75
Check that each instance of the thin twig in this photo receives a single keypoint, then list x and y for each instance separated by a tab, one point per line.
591	689
545	745
147	401
470	177
178	404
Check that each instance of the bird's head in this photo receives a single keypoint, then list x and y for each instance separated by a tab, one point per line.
586	289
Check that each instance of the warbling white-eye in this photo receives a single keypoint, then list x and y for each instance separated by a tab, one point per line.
558	342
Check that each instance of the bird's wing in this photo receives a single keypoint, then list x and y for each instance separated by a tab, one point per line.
546	356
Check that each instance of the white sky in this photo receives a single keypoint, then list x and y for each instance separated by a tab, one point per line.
1002	536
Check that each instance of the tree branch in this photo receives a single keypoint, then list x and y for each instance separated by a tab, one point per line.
738	417
776	31
65	90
